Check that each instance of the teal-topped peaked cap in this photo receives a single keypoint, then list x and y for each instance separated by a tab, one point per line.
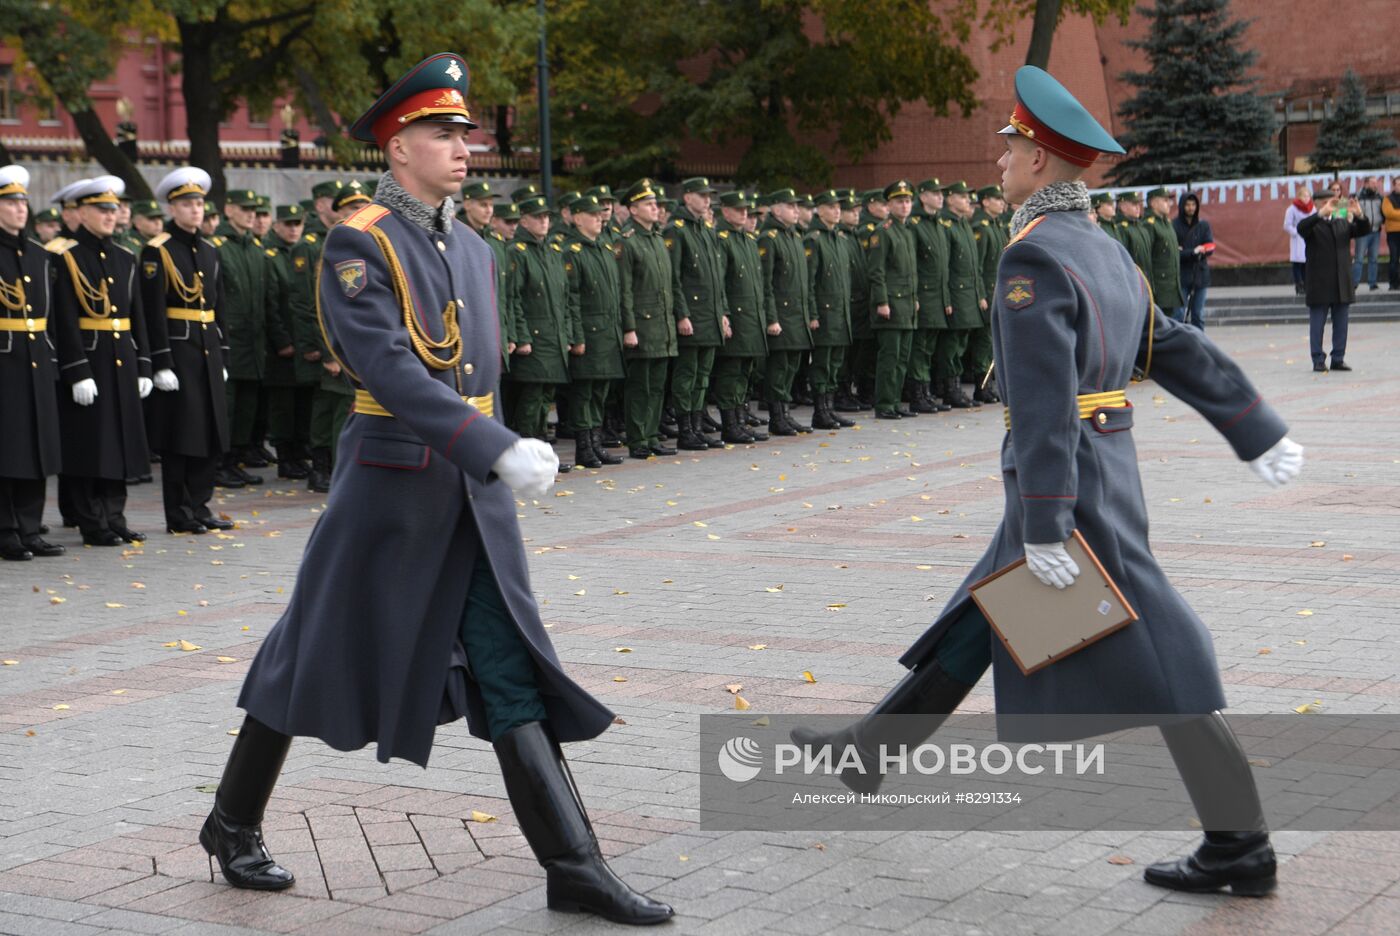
434	89
1049	115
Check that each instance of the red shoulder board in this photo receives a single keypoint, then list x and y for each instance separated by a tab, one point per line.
366	218
1025	230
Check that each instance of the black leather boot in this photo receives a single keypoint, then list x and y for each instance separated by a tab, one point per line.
846	402
584	456
914	389
938	405
227	475
732	428
953	395
707	422
777	425
1216	772
596	437
670	426
233	831
689	439
319	480
289	465
751	419
554	822
699	422
823	418
834	412
786	413
927	691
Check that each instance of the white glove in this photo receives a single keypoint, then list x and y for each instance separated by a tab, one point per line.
1050	563
143	386
84	392
166	380
1280	464
225	375
528	467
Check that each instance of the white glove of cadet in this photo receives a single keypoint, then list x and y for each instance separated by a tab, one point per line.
528	467
1280	464
166	380
84	392
143	386
225	375
1051	563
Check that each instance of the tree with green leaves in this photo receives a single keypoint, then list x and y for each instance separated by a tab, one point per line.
1195	114
1348	138
1004	19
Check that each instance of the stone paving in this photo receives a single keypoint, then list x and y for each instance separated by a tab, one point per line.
113	733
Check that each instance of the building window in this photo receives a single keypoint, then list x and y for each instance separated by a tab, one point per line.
8	111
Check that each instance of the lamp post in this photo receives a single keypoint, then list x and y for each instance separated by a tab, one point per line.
291	139
126	130
546	167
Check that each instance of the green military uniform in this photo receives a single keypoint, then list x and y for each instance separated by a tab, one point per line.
967	293
595	323
647	298
894	282
992	236
538	291
860	308
787	298
697	267
1135	236
749	317
863	341
128	238
334	394
293	381
510	326
931	242
1166	259
1109	227
829	283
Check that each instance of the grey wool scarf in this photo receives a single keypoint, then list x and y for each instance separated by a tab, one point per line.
1057	196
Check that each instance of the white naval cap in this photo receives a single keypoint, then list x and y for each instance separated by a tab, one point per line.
64	196
14	182
102	190
187	180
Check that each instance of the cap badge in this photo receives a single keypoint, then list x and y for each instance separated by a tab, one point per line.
454	71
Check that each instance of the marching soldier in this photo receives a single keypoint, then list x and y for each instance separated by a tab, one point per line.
702	319
595	321
1166	254
935	303
377	645
47	225
892	264
104	360
188	413
292	378
991	236
648	328
787	299
829	283
30	447
538	291
479	211
1106	215
967	293
1133	233
739	360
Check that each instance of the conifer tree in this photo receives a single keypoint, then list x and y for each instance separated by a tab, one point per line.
1346	139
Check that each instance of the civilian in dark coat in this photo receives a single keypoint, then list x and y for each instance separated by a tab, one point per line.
1195	243
1328	234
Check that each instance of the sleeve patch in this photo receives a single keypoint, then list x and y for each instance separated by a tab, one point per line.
350	274
1020	292
149	268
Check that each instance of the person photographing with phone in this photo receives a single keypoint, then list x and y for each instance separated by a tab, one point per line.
1328	288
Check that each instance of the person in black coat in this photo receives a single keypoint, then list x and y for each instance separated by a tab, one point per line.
1327	234
1196	243
180	291
29	444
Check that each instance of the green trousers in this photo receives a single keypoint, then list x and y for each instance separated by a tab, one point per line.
979	349
690	378
644	394
891	363
780	373
921	353
289	414
862	359
529	412
586	401
329	410
826	367
497	656
965	649
242	398
731	379
947	357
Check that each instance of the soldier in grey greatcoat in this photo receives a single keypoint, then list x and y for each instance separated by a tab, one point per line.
1071	321
438	621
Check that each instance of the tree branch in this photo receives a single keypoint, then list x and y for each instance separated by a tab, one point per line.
254	67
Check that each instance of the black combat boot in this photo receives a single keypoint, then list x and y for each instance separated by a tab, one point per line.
319	480
823	418
670	426
289	464
1216	772
786	412
918	402
777	425
834	412
233	831
227	474
707	422
732	428
846	402
595	436
689	439
908	715
584	456
953	395
938	405
699	421
552	819
751	419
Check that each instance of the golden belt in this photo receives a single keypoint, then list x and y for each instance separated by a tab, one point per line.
204	316
1088	403
88	323
366	405
24	325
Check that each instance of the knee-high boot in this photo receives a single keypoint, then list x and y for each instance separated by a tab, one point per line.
927	691
233	831
553	820
1236	852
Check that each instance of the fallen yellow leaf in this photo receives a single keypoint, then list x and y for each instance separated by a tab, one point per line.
1317	544
1347	557
60	707
118	692
1305	613
581	592
113	604
623	649
734	687
1265	651
619	679
758	646
741	703
138	584
835	607
1119	860
10	662
226	659
186	646
711	536
233	731
923	568
573	578
57	600
1308	708
698	523
774	588
479	816
807	675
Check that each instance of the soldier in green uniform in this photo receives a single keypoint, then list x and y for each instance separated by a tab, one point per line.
743	354
564	229
892	265
700	308
262	218
872	214
47	225
538	291
845	401
829	283
1133	233
611	229
479	211
124	236
334	394
1106	215
648	328
350	198
991	236
966	292
1166	254
147	220
935	304
322	197
292	378
788	300
595	322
